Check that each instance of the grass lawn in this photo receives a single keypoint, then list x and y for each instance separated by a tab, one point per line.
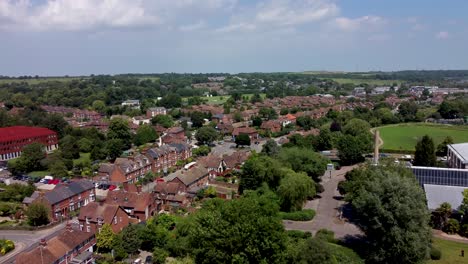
39	173
450	251
405	136
83	157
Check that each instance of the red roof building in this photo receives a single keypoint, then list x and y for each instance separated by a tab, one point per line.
14	139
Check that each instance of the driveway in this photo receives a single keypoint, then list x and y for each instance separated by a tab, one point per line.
327	209
27	239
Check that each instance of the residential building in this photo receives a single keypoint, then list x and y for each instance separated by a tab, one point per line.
14	139
250	131
94	215
154	111
171	196
457	155
359	91
173	135
141	120
126	170
131	103
138	205
67	198
70	246
166	156
193	178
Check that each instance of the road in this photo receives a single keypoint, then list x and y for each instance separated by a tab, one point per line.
25	240
327	209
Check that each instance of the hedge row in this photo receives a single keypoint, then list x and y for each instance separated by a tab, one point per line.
304	215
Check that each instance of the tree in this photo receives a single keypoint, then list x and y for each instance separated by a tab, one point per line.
356	127
237	117
271	148
97	153
218	231
464	206
30	159
105	239
85	145
198	119
351	149
38	214
304	160
441	215
268	113
163	120
306	122
160	255
391	210
259	169
201	151
294	190
58	169
425	153
442	147
257	121
315	251
206	135
324	140
242	140
407	111
114	148
284	111
145	134
171	100
69	147
119	129
99	106
56	123
130	240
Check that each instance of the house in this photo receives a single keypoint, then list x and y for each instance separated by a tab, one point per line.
194	177
225	128
171	195
69	246
94	215
13	139
359	91
67	198
174	135
272	126
126	170
132	103
167	156
154	111
138	205
250	131
140	120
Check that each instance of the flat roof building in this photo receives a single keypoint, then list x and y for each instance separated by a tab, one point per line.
14	139
439	194
457	155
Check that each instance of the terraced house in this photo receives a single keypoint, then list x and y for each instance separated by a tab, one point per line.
166	156
126	170
65	198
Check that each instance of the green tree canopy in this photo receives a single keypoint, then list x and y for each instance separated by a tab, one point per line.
119	129
206	135
145	134
163	120
304	160
38	214
425	153
105	239
294	190
271	148
242	140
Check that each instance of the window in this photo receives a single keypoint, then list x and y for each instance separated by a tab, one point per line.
121	219
81	227
87	220
115	219
99	230
88	229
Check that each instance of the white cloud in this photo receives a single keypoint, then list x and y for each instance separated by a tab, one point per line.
442	35
354	24
192	27
91	14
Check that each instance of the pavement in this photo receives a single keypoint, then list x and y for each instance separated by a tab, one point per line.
327	209
25	240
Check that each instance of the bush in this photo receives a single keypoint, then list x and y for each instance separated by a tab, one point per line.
160	255
319	188
326	235
452	226
298	234
464	230
345	255
436	254
304	215
6	246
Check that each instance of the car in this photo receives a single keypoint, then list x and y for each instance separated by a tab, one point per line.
100	186
149	260
112	187
96	185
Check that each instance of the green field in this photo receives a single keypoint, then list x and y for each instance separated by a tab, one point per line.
39	80
450	251
368	81
219	100
405	136
83	157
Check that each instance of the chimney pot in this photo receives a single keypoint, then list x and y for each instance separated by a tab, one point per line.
43	242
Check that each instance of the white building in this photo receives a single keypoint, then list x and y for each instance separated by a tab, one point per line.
457	155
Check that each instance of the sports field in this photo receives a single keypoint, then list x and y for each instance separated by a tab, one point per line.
405	136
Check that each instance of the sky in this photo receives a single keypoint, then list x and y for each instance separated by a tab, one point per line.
82	37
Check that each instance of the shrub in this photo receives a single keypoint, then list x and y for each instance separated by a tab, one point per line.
345	255
464	230
436	254
6	246
452	226
326	235
298	234
304	215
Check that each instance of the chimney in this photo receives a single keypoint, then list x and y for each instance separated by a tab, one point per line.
43	242
125	186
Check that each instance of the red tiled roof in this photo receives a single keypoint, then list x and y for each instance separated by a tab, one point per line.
23	132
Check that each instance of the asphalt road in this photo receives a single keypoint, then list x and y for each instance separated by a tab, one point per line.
25	240
327	209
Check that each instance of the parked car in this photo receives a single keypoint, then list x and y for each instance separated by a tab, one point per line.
112	187
149	260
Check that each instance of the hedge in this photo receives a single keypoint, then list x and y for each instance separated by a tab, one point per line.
6	246
436	254
304	215
345	255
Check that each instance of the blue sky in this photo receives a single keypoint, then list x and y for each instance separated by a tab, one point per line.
74	37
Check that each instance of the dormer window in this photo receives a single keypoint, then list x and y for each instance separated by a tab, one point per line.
87	220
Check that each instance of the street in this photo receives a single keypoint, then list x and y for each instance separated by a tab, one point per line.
327	214
27	239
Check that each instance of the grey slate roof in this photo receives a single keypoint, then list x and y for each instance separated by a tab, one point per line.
438	194
63	192
461	150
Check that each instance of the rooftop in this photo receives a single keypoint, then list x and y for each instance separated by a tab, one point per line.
438	194
23	132
461	150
